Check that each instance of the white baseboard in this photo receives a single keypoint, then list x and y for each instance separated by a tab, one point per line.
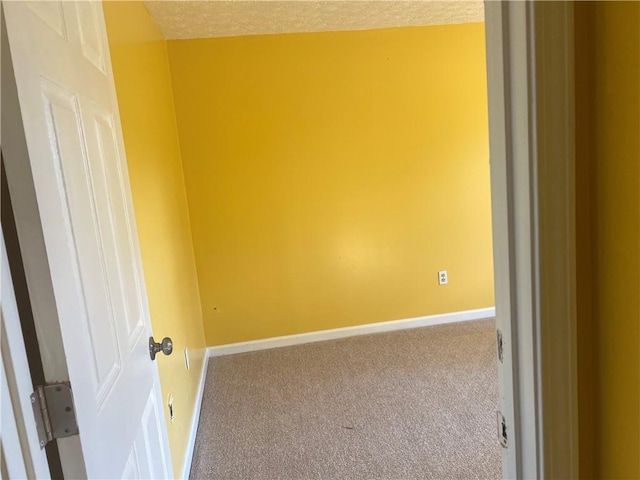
188	456
345	332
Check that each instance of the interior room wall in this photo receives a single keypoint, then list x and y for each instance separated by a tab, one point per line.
330	176
143	84
608	221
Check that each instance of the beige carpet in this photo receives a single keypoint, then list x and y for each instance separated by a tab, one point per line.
412	404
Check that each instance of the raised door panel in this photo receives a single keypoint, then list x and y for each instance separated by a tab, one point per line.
88	29
52	14
127	274
77	187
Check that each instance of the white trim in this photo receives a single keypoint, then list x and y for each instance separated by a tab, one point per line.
191	443
22	453
322	335
556	252
530	84
504	50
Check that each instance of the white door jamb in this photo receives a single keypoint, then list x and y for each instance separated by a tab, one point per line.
531	123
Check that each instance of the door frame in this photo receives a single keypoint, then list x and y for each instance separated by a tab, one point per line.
22	454
530	70
531	119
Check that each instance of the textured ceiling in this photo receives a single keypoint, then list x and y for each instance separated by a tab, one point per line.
180	19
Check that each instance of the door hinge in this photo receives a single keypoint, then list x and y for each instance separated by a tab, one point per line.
502	430
54	412
500	345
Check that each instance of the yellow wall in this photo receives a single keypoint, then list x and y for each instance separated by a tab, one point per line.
143	84
331	175
608	108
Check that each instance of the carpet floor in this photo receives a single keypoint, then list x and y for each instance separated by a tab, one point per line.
411	404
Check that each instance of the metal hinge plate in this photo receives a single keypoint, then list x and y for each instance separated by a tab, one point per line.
54	412
500	345
502	430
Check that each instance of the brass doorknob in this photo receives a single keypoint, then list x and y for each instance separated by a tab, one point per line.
166	347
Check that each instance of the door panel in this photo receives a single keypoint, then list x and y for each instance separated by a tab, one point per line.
132	470
76	185
151	437
126	274
51	14
89	33
79	174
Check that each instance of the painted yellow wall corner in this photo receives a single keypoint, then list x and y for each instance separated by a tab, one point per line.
608	216
616	169
143	84
330	176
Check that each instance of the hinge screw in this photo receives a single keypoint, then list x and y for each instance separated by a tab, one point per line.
33	399
42	443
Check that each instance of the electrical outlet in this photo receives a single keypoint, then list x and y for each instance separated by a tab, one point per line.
443	277
170	405
186	358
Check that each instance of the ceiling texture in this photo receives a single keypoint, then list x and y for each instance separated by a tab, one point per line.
183	19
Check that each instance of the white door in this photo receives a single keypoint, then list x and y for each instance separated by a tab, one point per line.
80	183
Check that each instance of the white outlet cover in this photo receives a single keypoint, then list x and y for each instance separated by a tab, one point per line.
186	358
443	277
